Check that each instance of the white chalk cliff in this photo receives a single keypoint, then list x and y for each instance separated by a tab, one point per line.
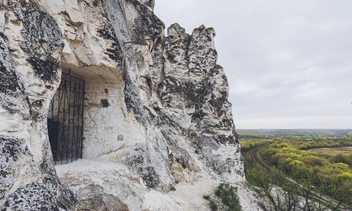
157	126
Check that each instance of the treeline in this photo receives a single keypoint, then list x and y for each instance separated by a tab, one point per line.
317	142
303	143
253	143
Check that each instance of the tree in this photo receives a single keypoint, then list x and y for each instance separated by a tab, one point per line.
283	193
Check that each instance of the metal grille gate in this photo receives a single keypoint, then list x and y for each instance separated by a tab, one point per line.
65	120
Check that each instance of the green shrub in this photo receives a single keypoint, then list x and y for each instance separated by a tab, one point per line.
213	204
228	196
225	197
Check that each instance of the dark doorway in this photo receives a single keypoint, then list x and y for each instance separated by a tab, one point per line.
65	120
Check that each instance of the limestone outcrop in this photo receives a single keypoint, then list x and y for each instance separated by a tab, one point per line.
158	130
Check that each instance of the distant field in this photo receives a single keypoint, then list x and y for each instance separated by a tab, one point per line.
332	151
273	133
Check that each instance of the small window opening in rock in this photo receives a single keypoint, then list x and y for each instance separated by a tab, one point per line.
106	91
171	58
104	103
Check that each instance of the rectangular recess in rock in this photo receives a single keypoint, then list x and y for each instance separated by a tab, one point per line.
65	119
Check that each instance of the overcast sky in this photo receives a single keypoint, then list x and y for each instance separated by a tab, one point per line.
289	63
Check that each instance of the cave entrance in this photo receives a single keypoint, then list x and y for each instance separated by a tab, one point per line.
65	119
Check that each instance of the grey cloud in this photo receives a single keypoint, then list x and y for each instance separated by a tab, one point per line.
288	62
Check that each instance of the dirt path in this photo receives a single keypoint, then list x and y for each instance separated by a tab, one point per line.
255	158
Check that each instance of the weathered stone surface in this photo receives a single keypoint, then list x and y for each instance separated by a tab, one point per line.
156	109
34	196
30	50
12	90
92	197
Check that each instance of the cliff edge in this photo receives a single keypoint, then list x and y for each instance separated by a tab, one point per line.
100	111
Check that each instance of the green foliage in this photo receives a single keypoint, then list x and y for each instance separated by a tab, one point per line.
228	196
320	142
295	163
346	175
225	197
249	144
287	157
212	203
341	158
285	194
343	166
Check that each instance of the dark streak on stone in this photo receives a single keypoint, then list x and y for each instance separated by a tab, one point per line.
115	51
39	30
10	150
8	80
34	196
148	24
10	85
45	69
150	176
16	9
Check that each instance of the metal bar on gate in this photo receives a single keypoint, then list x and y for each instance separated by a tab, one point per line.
82	117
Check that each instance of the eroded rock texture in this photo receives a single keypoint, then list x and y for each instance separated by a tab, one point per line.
156	112
31	44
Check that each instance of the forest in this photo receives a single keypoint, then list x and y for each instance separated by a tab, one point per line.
300	173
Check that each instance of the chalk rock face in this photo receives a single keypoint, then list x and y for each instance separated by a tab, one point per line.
30	49
156	115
